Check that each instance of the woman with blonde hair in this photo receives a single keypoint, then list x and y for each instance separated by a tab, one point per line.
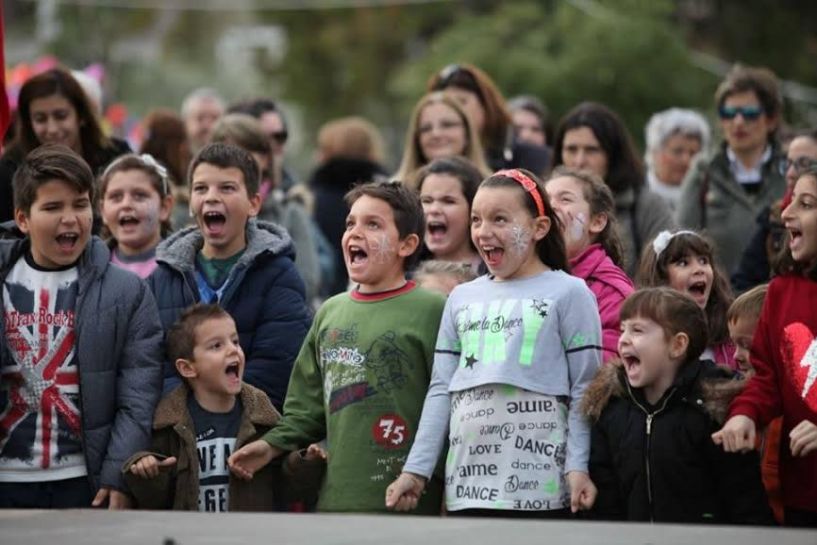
439	127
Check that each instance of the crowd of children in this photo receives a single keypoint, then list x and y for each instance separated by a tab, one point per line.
491	357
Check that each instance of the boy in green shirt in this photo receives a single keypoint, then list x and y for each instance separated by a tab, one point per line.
363	371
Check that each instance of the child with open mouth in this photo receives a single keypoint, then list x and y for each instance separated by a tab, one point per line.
685	261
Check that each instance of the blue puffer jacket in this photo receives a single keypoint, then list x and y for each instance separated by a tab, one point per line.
118	346
265	297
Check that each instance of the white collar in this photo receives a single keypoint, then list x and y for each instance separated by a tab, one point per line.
743	175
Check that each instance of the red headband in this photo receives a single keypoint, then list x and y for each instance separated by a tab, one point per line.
528	184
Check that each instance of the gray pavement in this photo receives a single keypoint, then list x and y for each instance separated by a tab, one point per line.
169	528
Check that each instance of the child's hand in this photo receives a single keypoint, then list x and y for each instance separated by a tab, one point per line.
148	467
404	493
582	491
315	452
116	500
737	435
251	457
803	438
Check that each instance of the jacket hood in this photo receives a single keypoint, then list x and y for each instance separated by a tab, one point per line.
341	174
172	409
593	264
717	387
179	249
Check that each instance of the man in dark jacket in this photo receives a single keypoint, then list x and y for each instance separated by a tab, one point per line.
80	358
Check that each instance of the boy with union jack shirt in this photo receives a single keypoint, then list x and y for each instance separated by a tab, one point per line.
80	350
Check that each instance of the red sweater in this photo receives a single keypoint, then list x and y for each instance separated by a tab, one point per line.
784	355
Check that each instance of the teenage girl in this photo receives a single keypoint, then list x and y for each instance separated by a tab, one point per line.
515	351
136	207
586	209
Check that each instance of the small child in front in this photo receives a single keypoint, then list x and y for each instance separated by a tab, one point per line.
651	456
363	371
201	422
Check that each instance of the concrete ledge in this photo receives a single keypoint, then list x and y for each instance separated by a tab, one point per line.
87	527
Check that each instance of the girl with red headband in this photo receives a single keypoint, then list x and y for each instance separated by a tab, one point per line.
515	351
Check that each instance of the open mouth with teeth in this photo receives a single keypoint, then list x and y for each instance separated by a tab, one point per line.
233	370
128	221
795	236
631	363
436	229
214	222
67	241
357	255
697	289
492	255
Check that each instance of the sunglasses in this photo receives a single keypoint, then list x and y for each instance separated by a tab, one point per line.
749	113
280	136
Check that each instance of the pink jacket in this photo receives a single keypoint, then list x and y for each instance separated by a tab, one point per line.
610	285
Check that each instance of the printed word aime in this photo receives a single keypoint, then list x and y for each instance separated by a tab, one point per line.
535	406
536	447
477	470
476	493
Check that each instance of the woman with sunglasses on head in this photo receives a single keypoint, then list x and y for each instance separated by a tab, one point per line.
482	101
725	195
769	238
52	108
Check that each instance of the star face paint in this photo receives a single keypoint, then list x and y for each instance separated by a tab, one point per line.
371	246
503	232
132	211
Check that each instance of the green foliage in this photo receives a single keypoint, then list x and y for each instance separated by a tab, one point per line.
629	59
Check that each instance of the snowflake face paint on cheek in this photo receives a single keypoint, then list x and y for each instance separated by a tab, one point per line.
382	249
576	226
520	239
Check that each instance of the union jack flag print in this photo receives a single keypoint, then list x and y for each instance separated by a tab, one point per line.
40	418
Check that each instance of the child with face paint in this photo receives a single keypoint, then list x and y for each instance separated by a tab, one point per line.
586	208
785	362
136	206
685	261
515	351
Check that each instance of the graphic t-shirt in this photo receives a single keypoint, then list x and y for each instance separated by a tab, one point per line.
40	423
507	450
215	442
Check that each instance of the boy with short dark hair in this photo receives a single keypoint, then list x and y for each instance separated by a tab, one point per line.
361	376
244	265
80	360
201	422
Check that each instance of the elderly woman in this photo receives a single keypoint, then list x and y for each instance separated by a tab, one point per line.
674	138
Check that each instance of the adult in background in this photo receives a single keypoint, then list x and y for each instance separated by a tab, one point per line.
674	138
275	126
485	105
201	110
52	108
531	120
769	236
592	137
350	152
166	140
439	127
725	195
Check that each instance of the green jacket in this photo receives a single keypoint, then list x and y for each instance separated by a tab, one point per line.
174	435
713	201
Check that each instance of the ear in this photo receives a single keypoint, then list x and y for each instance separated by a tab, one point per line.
166	207
186	368
597	223
408	245
21	219
541	227
679	343
255	204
